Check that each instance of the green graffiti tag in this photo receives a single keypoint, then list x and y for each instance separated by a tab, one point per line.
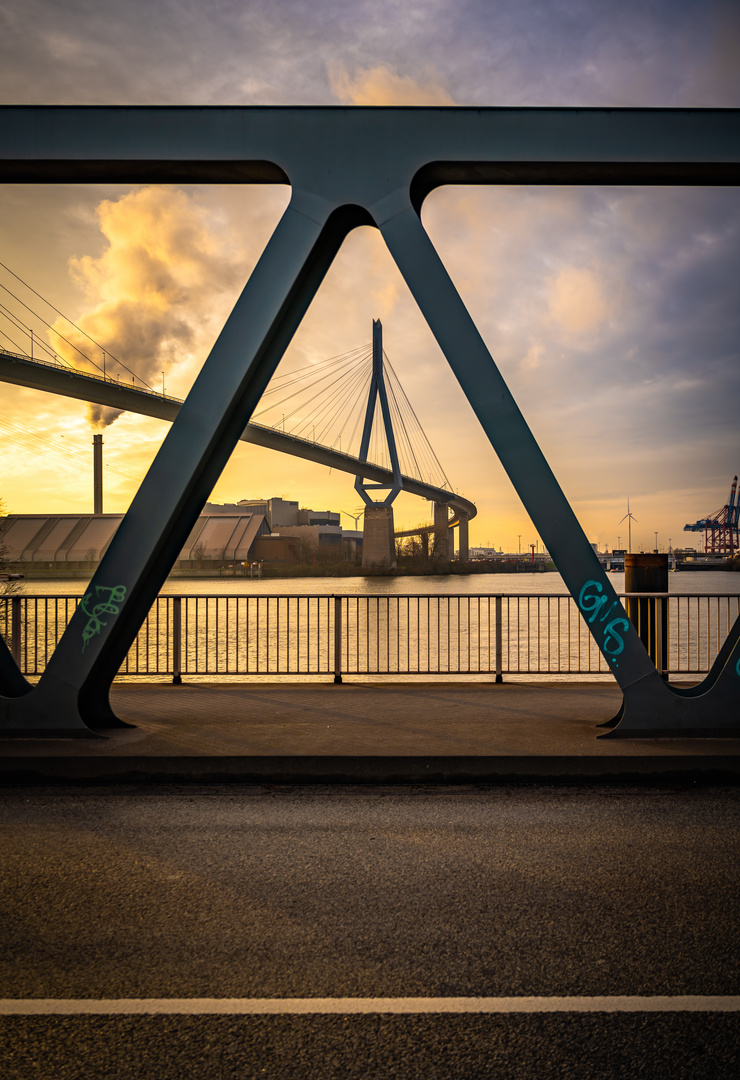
595	605
108	599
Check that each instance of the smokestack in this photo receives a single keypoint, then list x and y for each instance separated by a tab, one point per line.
97	474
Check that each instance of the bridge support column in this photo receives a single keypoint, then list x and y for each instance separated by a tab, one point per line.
463	544
378	545
441	533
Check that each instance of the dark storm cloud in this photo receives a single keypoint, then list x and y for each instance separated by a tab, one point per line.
526	52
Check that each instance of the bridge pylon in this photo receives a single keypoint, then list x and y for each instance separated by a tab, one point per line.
378	545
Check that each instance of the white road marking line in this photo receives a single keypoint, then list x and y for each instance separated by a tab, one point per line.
307	1006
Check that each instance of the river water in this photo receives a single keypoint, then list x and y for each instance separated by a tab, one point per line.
694	582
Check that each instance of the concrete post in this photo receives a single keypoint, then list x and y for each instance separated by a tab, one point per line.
441	533
378	544
463	541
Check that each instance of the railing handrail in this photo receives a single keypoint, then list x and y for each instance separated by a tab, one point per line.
389	595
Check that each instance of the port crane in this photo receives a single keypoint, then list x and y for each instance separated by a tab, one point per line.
721	528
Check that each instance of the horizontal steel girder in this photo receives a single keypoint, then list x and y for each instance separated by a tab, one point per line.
340	153
349	167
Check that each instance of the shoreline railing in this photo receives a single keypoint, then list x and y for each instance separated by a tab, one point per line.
372	634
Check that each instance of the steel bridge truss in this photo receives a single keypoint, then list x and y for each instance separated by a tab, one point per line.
349	167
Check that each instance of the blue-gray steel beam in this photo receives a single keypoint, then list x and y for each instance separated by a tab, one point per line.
341	153
349	167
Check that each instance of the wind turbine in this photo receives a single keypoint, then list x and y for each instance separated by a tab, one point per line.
355	517
629	518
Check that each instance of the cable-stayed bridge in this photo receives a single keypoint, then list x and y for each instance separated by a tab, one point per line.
343	395
348	412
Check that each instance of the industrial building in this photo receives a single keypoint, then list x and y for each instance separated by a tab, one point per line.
77	542
267	530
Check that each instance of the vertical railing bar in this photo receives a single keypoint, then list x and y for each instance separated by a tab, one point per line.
397	605
176	640
388	632
680	606
438	605
337	639
228	634
15	629
288	633
658	618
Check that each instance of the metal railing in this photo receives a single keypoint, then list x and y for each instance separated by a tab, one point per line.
372	634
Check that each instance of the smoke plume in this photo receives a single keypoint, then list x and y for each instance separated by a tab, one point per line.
151	291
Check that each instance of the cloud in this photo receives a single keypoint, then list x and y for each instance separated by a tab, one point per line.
150	289
381	85
533	358
576	299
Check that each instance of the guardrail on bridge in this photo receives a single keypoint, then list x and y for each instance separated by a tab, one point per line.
373	635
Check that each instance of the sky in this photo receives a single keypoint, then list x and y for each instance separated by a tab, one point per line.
611	312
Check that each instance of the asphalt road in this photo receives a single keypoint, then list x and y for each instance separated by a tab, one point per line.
370	893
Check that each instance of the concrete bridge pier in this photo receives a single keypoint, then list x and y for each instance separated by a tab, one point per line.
441	533
463	541
378	543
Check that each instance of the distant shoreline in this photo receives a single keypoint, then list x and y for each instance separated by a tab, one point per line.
289	573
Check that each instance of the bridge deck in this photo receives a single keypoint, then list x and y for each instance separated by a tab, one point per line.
363	732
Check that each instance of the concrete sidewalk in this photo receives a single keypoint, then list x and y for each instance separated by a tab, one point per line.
362	732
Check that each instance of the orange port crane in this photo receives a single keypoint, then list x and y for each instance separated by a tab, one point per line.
721	528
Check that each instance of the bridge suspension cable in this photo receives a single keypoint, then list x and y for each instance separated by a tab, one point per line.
67	453
10	316
325	402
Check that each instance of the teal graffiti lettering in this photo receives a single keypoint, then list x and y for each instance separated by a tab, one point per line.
611	633
108	599
737	668
595	604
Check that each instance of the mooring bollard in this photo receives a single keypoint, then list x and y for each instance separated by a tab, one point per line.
649	615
